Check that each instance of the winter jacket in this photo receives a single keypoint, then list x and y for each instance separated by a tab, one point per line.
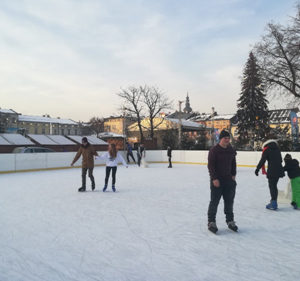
221	162
112	162
292	168
88	152
169	152
271	154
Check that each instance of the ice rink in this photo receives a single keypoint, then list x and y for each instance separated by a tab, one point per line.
154	228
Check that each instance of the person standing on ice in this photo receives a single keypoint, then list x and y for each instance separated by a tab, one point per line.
88	152
271	153
169	154
143	156
293	170
129	152
112	158
222	171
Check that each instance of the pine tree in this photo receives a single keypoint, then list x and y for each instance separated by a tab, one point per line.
253	117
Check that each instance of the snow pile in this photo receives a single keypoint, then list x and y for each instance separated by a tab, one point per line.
153	229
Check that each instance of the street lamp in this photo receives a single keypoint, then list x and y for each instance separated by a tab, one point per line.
179	124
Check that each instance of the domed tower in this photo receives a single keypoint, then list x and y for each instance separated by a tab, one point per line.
187	108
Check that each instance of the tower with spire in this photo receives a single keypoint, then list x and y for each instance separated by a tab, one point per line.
187	108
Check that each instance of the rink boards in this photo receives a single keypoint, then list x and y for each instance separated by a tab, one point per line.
61	160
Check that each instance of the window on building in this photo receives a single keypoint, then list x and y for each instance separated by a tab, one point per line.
69	132
62	131
75	132
43	131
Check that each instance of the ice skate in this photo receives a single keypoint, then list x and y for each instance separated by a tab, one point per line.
272	205
81	189
212	227
232	226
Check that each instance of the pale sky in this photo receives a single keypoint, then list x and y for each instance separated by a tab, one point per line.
69	58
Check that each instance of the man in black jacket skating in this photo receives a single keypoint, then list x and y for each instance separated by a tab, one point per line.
222	171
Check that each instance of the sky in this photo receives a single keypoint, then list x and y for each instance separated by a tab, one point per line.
70	58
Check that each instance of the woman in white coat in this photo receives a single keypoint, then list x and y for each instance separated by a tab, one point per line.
112	158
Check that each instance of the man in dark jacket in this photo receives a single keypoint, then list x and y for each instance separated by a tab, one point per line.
88	152
271	153
222	171
129	152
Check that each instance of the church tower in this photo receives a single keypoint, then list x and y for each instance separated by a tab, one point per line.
187	108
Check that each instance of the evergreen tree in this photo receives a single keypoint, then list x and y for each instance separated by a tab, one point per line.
253	117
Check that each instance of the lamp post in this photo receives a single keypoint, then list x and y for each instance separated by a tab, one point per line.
179	124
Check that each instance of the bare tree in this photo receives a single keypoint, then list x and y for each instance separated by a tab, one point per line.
155	101
96	125
278	55
132	104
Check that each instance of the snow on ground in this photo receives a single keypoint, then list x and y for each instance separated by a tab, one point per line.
153	229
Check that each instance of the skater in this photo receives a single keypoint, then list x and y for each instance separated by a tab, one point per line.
169	153
143	156
112	157
293	170
271	153
88	152
222	171
129	152
141	153
138	154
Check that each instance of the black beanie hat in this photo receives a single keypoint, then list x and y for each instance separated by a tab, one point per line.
224	134
288	157
84	139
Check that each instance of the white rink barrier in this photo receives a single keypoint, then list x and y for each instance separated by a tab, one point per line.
59	160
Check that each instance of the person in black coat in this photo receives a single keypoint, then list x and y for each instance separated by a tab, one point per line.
271	153
169	154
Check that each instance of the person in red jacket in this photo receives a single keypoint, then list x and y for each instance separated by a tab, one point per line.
222	171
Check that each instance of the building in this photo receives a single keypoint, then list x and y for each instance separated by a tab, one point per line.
118	124
8	121
46	125
162	127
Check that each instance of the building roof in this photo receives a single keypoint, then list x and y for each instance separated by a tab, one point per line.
61	140
281	115
3	141
91	139
9	111
16	139
223	117
111	135
42	119
186	123
42	139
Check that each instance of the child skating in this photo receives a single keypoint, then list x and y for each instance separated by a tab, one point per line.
112	158
293	170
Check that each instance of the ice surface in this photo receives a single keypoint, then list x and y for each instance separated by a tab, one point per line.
154	228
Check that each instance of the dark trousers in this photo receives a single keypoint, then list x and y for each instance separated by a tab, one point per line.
273	188
227	190
131	155
139	158
170	162
90	173
114	170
